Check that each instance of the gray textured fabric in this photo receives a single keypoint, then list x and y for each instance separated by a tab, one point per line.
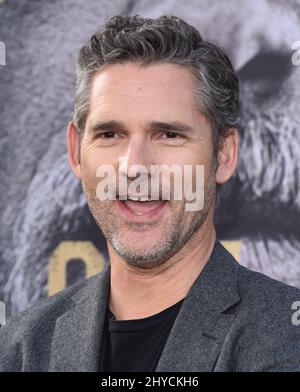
232	319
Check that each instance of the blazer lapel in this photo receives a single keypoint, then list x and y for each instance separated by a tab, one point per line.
201	325
76	343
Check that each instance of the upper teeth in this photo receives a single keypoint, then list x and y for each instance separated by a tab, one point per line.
136	198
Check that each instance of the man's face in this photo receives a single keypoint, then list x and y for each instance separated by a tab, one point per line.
146	234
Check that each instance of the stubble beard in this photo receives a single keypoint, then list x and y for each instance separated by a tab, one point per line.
176	231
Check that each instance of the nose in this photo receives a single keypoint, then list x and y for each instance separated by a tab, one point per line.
138	157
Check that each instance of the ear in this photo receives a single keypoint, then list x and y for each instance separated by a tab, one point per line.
227	157
73	143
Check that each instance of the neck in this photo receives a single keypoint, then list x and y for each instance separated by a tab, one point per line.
159	287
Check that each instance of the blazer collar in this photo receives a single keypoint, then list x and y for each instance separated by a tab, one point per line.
195	338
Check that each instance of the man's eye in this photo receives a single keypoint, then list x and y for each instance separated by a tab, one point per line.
108	134
171	135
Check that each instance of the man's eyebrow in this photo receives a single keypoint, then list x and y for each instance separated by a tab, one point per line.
111	125
170	126
114	125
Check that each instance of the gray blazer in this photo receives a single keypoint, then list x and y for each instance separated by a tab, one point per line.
232	319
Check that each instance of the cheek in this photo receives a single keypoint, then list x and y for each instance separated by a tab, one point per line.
200	162
89	164
187	156
91	159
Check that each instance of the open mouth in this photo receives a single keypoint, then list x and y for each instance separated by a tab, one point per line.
138	207
141	207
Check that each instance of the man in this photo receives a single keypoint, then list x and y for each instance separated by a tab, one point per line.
152	93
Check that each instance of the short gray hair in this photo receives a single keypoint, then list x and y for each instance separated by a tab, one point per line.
165	39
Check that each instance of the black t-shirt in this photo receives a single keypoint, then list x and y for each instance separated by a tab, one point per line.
135	345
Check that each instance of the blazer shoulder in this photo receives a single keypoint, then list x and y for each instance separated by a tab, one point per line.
265	334
261	288
37	322
57	301
269	317
256	287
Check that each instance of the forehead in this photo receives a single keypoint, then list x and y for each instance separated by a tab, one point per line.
131	87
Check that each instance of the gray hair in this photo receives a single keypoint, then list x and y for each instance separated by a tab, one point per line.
165	39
